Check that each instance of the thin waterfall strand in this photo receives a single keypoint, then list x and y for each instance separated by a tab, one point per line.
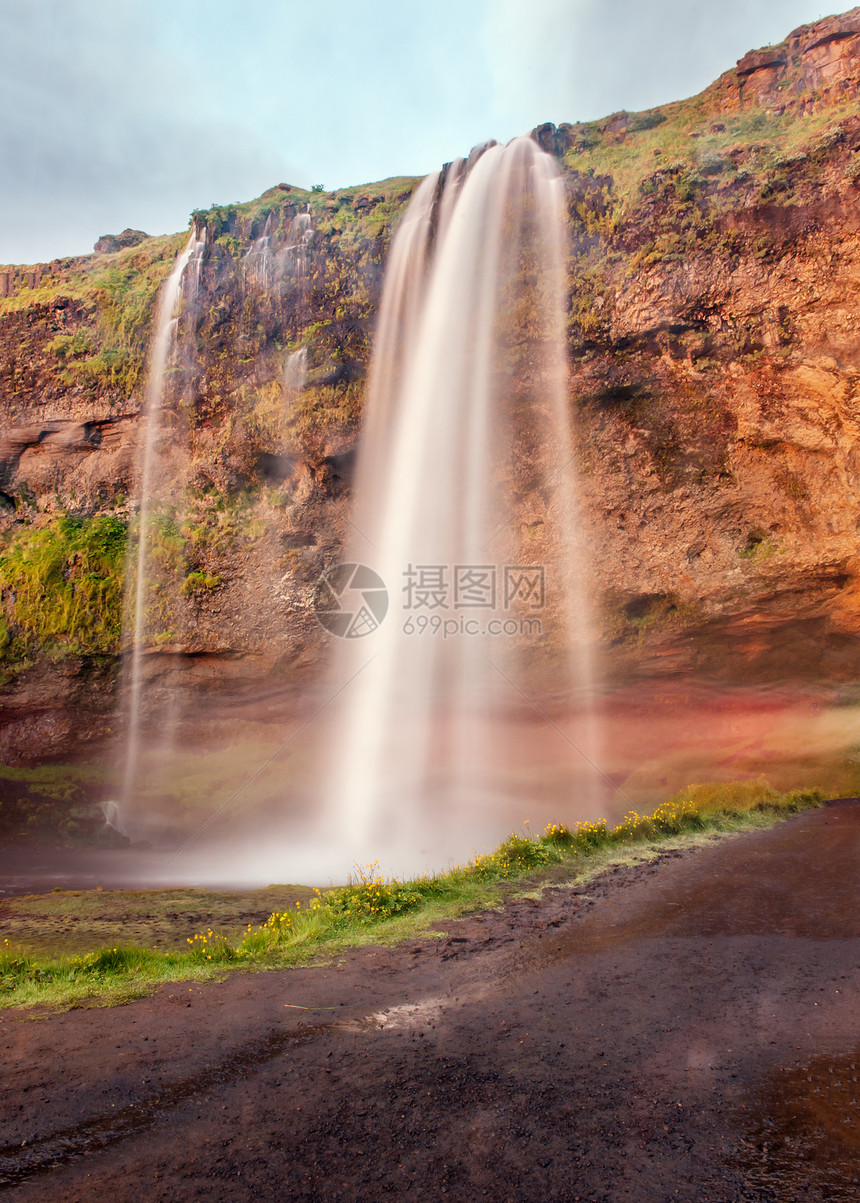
162	346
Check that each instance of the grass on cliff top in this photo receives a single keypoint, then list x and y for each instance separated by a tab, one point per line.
273	199
687	135
373	909
117	292
85	278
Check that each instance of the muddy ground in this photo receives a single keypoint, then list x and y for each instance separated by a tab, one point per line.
71	922
683	1030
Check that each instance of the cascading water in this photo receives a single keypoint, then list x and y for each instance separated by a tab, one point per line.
258	261
465	506
186	271
295	371
269	269
182	519
442	718
299	240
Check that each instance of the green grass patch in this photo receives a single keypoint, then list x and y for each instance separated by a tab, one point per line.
373	909
61	586
70	923
120	291
190	547
776	144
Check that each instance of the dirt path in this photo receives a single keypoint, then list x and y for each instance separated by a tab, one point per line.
683	1030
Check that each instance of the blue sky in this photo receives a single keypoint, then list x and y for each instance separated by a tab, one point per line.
123	113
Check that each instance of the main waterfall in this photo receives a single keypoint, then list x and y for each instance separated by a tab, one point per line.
466	507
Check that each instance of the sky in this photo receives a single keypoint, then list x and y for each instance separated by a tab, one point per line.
117	113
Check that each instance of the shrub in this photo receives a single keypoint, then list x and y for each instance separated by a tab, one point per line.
517	854
198	584
371	896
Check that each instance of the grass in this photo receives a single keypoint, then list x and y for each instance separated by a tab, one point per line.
651	189
190	544
772	140
63	782
119	292
69	923
61	587
375	909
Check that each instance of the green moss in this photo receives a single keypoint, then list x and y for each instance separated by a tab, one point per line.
61	585
54	805
191	545
759	547
70	346
322	409
118	292
198	584
62	782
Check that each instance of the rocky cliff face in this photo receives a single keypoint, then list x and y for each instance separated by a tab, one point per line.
715	386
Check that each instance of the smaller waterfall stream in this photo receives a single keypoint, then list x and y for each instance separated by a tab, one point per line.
300	235
295	371
258	261
163	345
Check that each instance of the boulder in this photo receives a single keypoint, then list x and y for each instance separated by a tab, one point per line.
109	243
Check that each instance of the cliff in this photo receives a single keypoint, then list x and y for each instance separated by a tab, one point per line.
714	280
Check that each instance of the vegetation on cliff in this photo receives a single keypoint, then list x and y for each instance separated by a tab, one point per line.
62	588
667	187
92	321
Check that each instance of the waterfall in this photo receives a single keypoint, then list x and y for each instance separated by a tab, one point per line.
187	266
258	261
295	371
269	269
295	253
466	507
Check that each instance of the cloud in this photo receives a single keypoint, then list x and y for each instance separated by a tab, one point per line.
106	125
135	112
